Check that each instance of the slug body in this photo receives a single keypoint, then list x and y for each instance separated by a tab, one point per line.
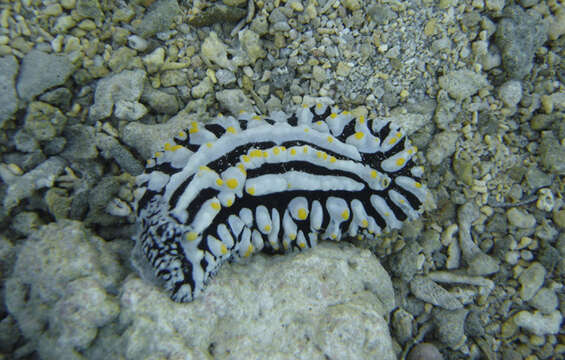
224	190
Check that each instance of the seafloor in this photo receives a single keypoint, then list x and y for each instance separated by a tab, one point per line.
89	89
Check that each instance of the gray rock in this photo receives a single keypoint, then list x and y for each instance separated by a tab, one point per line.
90	9
538	323
100	197
225	77
428	291
424	351
545	301
81	144
519	35
461	84
147	139
234	100
531	280
129	110
552	154
450	326
40	177
25	142
441	147
402	327
520	218
41	71
137	43
160	101
482	264
8	98
43	121
328	301
59	97
110	148
407	262
127	85
158	17
59	292
510	93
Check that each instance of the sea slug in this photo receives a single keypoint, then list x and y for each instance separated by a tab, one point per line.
226	189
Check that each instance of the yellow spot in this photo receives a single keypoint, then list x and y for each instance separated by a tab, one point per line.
333	115
402	201
302	245
231	129
398	134
255	153
330	139
276	151
245	158
292	236
359	237
251	190
283	148
345	214
223	249
387	213
176	147
220	115
319	122
249	251
332	159
305	106
373	174
209	145
392	141
319	106
305	149
241	168
345	113
231	183
417	184
265	154
194	128
325	156
158	154
204	168
267	228
361	119
364	223
302	214
150	162
333	236
359	135
256	117
292	151
400	161
241	112
229	203
167	146
306	129
191	236
182	134
319	154
219	182
216	205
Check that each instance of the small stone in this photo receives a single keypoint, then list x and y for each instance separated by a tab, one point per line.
424	351
319	74
520	218
252	44
545	301
214	50
402	325
89	9
129	110
519	35
204	87
428	291
34	79
451	326
160	101
462	84
137	43
121	59
8	98
44	121
557	24
234	100
225	77
510	93
63	24
559	218
352	5
482	264
158	18
154	60
343	69
531	280
441	147
546	201
538	323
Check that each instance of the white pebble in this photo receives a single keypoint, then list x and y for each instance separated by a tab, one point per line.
137	43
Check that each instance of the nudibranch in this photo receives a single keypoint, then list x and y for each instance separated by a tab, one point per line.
226	189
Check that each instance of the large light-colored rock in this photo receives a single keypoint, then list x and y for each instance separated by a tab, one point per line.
327	302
